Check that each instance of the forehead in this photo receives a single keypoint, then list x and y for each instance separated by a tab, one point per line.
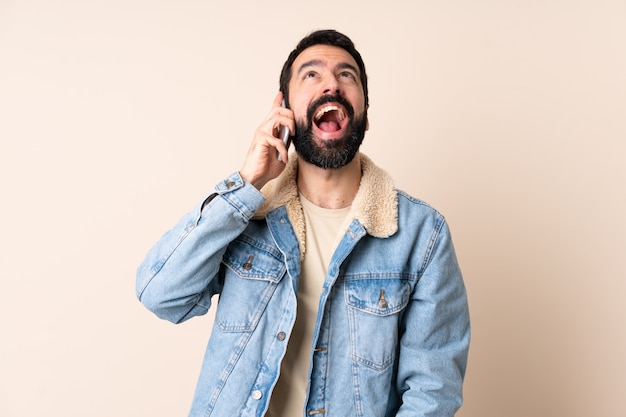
323	55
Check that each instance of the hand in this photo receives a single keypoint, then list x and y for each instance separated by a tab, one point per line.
262	164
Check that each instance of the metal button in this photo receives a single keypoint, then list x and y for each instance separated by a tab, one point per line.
382	302
256	394
248	265
229	183
281	336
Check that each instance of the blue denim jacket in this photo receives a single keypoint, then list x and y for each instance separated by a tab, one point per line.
392	331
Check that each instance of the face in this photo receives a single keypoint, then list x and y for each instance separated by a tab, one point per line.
327	98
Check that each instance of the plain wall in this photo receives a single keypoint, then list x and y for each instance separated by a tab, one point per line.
116	117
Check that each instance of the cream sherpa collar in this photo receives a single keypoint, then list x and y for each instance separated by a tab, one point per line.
375	204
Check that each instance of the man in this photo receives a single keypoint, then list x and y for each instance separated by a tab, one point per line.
338	294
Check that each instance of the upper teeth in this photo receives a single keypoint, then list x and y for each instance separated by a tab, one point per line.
324	110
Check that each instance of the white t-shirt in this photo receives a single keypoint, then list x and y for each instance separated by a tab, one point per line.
322	230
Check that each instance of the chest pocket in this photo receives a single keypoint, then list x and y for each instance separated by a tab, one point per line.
252	272
373	311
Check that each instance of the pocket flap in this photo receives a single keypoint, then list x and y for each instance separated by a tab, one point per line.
254	261
377	296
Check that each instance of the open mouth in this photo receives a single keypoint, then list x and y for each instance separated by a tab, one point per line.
330	118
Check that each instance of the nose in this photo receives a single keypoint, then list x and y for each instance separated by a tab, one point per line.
331	85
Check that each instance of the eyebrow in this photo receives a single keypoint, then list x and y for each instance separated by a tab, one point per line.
319	62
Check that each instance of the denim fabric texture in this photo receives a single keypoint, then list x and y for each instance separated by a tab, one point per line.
392	331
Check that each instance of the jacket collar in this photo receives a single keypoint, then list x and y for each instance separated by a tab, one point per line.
375	205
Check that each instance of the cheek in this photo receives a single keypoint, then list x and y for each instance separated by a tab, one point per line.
358	101
299	109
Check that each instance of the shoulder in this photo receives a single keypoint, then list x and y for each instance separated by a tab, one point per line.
414	203
412	210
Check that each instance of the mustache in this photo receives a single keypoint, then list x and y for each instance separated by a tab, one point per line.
329	98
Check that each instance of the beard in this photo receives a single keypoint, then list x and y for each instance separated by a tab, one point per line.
330	154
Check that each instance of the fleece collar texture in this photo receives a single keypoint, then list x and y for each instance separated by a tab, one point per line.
375	205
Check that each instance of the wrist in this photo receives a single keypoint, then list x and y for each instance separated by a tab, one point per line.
255	180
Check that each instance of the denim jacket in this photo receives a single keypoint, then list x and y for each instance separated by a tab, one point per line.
392	331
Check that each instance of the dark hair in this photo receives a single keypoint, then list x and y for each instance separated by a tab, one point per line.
323	37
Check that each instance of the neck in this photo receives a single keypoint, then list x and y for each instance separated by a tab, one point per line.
330	188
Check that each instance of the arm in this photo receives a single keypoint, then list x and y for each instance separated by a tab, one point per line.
178	276
435	341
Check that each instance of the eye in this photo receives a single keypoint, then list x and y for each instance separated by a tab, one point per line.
310	74
347	74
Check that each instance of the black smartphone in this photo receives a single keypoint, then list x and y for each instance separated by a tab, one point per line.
283	134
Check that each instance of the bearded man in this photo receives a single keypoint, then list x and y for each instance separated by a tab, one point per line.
339	295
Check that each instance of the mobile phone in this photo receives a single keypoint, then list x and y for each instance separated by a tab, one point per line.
283	134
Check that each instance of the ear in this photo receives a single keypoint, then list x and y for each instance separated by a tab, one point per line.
367	119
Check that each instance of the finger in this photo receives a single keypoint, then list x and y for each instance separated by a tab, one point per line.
280	150
284	117
278	100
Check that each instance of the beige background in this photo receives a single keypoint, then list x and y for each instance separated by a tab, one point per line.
117	116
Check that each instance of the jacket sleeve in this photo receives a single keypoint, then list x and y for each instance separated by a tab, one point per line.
179	274
435	342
